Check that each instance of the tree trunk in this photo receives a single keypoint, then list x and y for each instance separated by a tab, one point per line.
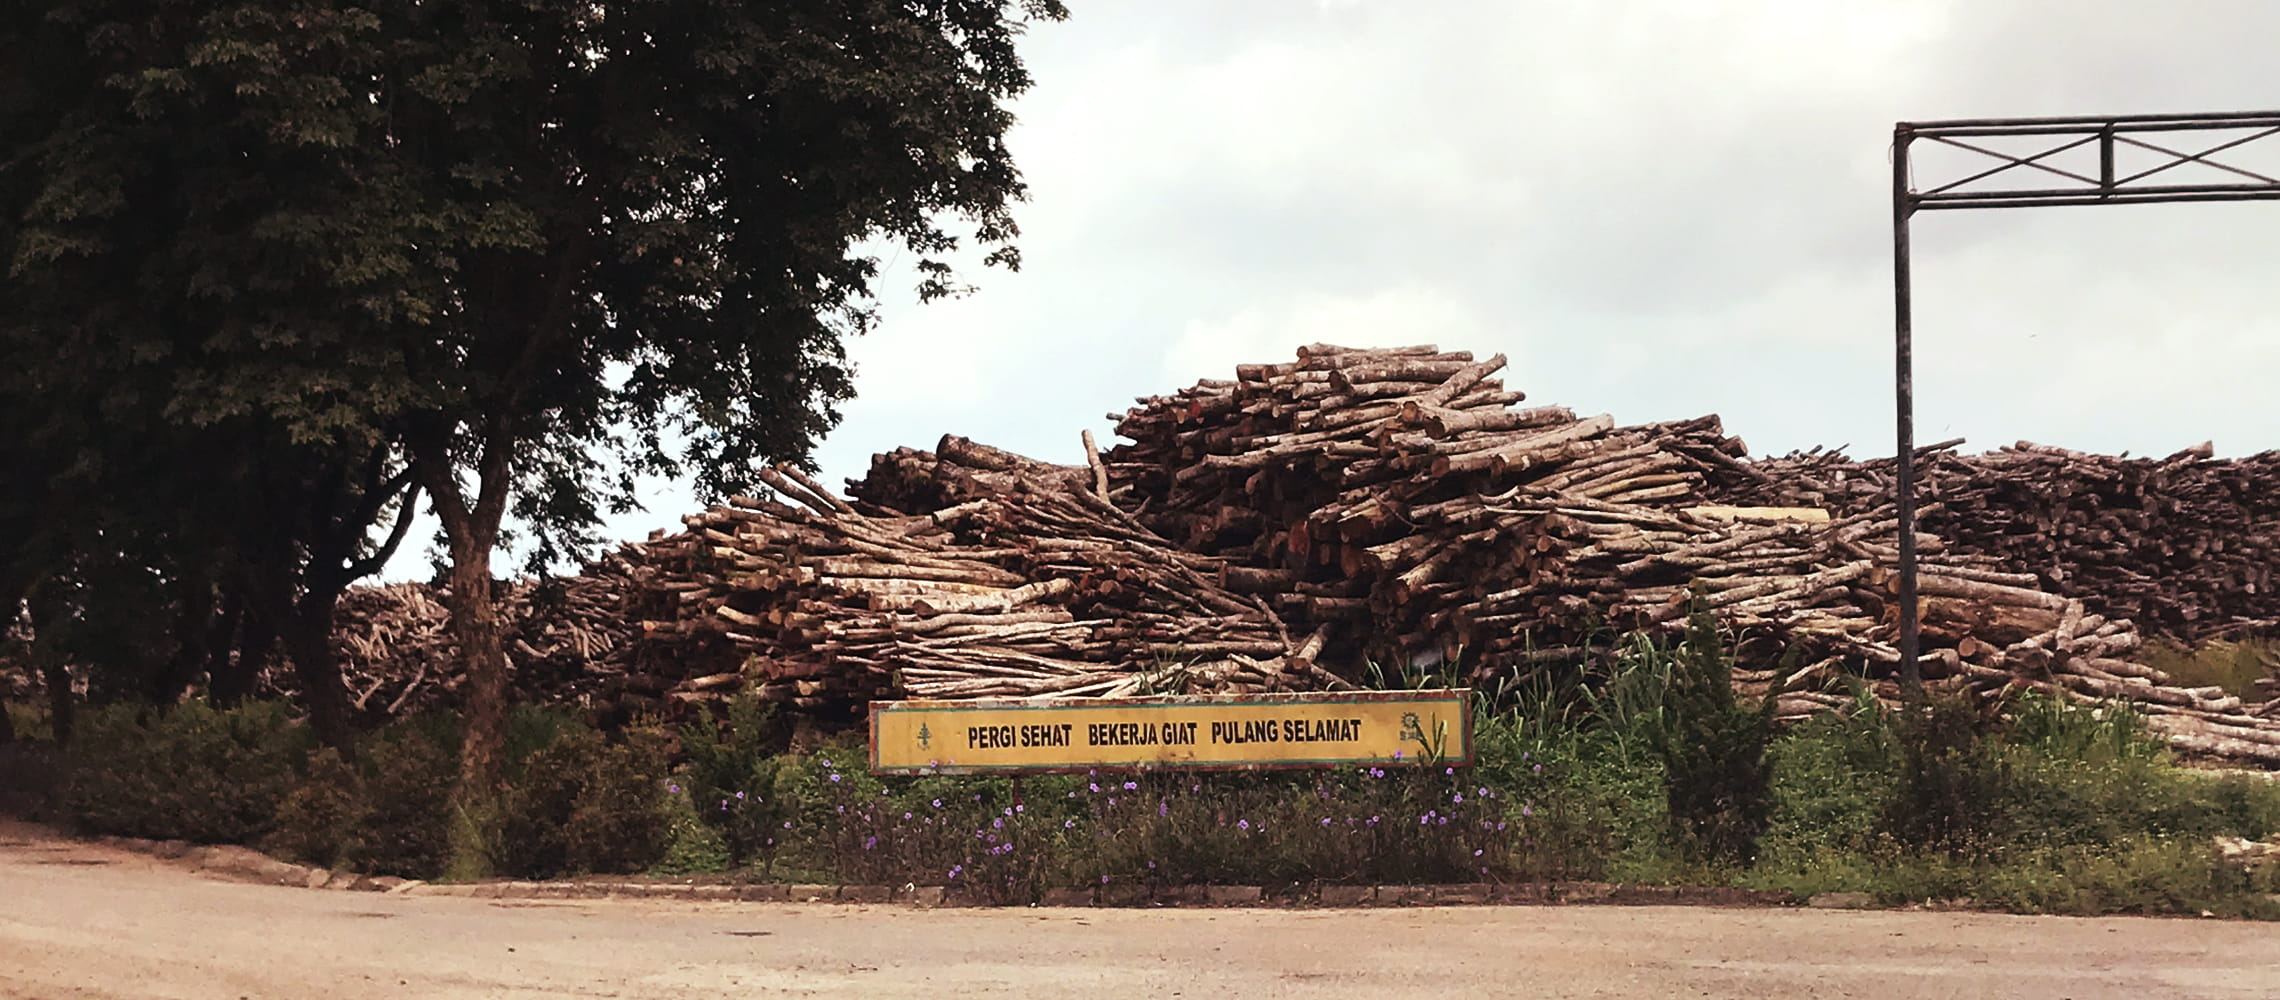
236	681
475	623
308	641
221	641
58	678
193	621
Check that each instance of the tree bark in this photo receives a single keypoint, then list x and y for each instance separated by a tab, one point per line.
307	633
471	530
194	615
236	681
57	676
221	641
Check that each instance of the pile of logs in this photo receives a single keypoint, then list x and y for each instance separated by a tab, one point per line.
1353	515
1397	499
567	638
1029	585
2185	545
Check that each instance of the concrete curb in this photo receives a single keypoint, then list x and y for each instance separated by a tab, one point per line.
244	864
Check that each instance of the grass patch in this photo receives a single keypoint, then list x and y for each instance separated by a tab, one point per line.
2235	666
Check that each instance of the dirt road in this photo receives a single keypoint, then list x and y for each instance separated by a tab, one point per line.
83	921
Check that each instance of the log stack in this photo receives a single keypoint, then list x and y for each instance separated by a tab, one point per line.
2184	545
1038	589
1350	514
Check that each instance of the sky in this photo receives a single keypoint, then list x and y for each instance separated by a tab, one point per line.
1655	209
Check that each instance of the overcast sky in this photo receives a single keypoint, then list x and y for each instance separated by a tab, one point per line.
1656	209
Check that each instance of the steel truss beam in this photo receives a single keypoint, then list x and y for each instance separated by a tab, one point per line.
2107	134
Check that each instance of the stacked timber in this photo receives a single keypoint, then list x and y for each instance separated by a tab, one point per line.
567	639
1399	501
1039	590
2184	545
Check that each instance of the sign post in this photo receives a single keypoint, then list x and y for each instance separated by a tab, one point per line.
1202	732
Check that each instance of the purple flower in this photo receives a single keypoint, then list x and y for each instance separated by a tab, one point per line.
1397	755
740	796
1112	800
835	777
1020	808
1325	821
1373	821
997	824
1539	769
1424	820
1131	785
1376	772
1484	792
1164	807
1195	787
1527	810
906	815
724	803
1448	770
1441	820
937	803
1068	824
1476	852
1092	786
1500	828
787	824
1243	824
673	788
1104	880
955	869
871	842
1457	798
1009	810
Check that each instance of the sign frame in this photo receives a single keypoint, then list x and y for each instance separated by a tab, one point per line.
1461	737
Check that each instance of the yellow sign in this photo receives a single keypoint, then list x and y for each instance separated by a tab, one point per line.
1198	732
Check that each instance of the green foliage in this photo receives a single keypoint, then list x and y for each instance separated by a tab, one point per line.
387	814
692	846
581	804
403	826
30	777
190	773
738	783
1713	752
321	813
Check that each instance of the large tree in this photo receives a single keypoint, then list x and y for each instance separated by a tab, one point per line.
188	371
536	239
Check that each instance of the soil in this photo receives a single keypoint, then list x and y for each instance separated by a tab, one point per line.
79	920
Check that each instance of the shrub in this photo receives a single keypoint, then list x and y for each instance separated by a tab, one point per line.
317	818
1715	777
582	805
692	846
30	774
736	781
405	810
1956	788
387	814
188	773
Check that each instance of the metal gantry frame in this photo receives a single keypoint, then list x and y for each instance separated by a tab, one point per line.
2053	185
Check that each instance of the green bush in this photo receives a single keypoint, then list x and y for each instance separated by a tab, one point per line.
403	828
317	818
1713	750
30	775
692	846
387	814
583	805
188	773
739	783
